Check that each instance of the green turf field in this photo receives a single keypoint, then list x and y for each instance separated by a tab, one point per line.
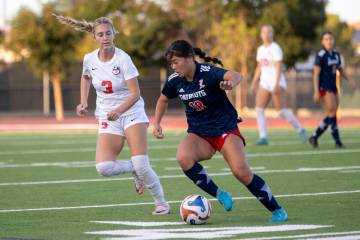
49	189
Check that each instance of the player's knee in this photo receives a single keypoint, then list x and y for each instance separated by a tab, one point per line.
243	174
185	160
259	110
141	164
105	168
282	112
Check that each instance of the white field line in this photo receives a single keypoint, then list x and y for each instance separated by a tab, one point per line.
155	142
161	147
304	235
171	202
296	170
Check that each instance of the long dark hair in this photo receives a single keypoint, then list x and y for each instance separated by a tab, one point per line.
182	48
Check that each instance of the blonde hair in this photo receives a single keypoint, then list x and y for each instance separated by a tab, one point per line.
84	26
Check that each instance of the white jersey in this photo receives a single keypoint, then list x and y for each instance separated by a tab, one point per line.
267	56
109	80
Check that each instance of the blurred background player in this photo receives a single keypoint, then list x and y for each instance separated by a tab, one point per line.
272	85
212	124
119	109
327	63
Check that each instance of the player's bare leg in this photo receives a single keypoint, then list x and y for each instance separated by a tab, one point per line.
234	153
261	101
278	100
191	151
108	148
330	103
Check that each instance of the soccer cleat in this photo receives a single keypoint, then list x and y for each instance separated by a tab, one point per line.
161	209
313	142
303	135
225	200
139	184
339	145
279	215
262	141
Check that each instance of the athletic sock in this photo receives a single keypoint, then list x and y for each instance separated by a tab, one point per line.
321	128
110	168
262	192
146	173
261	122
291	118
200	177
334	129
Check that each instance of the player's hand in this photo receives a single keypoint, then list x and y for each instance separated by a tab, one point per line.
157	131
81	109
316	97
112	116
252	89
226	85
352	83
276	89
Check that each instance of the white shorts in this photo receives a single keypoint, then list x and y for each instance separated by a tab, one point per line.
269	85
119	126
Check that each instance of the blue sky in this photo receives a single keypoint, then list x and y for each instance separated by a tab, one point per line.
348	10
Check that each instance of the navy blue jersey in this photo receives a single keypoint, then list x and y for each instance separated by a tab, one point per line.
208	110
328	63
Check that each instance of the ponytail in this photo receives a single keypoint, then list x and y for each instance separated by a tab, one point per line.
84	26
201	54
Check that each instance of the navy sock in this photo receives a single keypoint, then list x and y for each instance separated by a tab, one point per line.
322	127
262	192
200	177
334	129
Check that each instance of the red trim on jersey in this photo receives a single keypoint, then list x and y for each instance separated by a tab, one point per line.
217	142
323	92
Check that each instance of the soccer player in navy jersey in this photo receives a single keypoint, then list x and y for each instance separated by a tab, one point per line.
212	124
327	63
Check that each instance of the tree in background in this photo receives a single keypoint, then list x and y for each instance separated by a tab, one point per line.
46	46
235	43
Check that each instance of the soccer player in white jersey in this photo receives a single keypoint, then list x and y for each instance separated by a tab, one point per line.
272	85
119	109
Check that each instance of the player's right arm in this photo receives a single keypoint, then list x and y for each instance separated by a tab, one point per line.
256	78
81	109
161	106
317	70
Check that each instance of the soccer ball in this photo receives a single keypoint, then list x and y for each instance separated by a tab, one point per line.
195	209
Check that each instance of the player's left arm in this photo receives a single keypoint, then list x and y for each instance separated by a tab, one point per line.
133	86
346	76
230	80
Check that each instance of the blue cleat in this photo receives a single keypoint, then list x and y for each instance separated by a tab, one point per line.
262	141
279	215
225	200
303	135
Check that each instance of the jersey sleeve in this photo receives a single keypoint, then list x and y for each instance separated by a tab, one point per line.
258	57
86	70
277	53
217	74
341	62
169	89
318	59
128	68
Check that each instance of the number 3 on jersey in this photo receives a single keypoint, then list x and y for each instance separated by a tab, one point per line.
108	86
197	105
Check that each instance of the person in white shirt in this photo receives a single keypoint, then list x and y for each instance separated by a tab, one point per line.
119	109
272	85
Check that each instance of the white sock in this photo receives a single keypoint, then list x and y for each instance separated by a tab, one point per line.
290	117
261	122
146	173
110	168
